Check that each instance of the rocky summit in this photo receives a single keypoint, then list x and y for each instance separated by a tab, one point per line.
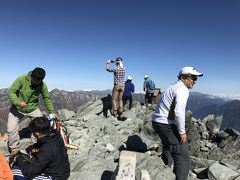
127	148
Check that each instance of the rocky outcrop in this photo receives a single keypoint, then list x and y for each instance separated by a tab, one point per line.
101	139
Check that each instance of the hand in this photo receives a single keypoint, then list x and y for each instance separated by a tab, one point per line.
52	116
183	138
22	104
109	61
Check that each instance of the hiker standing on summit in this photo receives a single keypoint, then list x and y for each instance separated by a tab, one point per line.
24	95
169	122
128	90
148	87
118	88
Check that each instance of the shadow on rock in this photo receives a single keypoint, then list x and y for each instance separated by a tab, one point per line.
106	175
135	143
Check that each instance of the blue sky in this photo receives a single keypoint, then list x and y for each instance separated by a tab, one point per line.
73	39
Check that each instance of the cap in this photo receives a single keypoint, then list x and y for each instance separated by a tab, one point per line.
129	78
118	59
146	76
190	71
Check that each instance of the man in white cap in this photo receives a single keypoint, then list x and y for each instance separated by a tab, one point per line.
128	90
118	88
169	122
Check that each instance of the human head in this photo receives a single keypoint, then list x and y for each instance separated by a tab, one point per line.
39	126
38	74
129	78
119	62
189	75
146	76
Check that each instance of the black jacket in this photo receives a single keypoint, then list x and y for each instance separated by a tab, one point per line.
51	159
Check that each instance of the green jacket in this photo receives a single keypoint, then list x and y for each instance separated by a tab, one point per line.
21	90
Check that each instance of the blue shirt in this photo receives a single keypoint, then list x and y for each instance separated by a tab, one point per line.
129	88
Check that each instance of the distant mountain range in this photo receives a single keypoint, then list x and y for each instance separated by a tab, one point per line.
200	104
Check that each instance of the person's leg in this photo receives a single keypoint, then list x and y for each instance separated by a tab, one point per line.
146	100
163	131
124	100
35	113
17	173
180	154
12	129
120	93
114	99
150	98
130	102
32	115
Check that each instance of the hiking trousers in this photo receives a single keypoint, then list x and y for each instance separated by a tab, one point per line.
173	150
117	97
14	117
148	99
128	98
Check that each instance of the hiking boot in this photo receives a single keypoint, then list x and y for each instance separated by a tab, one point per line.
114	113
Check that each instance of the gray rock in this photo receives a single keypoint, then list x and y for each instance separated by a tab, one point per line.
220	172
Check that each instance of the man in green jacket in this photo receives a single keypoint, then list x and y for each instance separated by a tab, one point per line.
24	95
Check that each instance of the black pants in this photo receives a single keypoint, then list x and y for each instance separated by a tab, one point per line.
173	151
127	98
148	98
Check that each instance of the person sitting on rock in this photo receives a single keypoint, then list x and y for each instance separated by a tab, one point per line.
49	155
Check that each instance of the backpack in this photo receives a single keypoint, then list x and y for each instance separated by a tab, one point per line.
56	125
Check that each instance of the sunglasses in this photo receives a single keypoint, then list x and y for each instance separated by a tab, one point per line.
194	78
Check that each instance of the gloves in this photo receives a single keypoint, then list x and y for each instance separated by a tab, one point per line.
109	61
51	116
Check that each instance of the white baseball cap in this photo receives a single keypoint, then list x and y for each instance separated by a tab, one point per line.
190	71
146	76
129	77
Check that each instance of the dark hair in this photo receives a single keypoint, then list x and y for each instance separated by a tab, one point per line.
39	124
38	73
119	59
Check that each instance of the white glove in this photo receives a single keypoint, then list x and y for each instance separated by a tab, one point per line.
109	61
51	116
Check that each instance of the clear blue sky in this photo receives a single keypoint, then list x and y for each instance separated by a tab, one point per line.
73	39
